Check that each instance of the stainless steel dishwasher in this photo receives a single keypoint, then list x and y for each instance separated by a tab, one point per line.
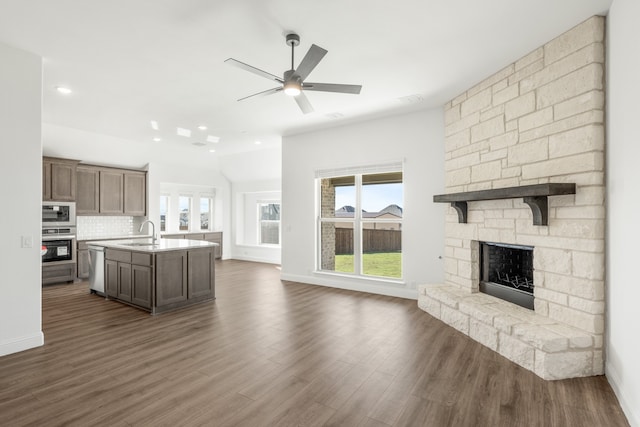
96	269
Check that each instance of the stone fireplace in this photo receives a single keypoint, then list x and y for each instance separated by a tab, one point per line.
536	125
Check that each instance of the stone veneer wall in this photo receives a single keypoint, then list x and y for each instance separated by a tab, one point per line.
328	230
538	120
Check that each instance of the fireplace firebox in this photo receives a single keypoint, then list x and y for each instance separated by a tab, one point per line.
506	272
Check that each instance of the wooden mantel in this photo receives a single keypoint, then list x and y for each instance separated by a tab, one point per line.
533	195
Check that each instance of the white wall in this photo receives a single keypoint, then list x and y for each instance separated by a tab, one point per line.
253	166
21	176
418	139
245	195
623	139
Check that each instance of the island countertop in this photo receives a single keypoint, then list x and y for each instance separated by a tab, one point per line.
161	245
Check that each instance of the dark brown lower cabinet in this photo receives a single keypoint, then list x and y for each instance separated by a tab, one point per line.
201	271
58	273
129	277
171	277
141	285
83	263
111	278
160	281
124	281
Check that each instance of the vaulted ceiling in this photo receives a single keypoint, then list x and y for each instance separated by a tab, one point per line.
131	62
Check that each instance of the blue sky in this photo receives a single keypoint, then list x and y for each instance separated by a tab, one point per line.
375	197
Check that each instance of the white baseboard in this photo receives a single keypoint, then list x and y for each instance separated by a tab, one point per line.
255	259
631	411
336	282
21	344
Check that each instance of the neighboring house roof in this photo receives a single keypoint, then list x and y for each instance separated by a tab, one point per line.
393	210
348	211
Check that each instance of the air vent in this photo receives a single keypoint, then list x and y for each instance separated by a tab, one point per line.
411	99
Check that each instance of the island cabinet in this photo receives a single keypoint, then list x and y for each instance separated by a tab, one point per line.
160	281
109	191
171	280
129	277
58	179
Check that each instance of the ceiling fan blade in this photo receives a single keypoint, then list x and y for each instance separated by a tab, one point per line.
303	103
263	93
253	70
310	60
332	87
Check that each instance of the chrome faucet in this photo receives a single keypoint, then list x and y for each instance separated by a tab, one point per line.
153	230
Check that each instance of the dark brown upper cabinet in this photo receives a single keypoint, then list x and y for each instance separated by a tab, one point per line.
59	179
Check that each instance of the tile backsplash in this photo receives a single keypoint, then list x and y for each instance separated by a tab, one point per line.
99	227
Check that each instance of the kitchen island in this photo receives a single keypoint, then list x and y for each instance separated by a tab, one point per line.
161	276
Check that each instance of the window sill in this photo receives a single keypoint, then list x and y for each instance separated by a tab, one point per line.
367	279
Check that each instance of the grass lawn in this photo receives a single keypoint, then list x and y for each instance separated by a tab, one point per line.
384	264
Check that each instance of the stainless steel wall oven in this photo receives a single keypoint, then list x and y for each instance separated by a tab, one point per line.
58	248
58	214
58	242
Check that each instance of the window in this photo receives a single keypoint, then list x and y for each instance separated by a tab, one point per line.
206	208
164	208
360	224
269	223
184	207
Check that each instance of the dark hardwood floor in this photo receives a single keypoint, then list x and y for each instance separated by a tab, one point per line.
268	352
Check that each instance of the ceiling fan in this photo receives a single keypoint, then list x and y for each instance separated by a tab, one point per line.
292	82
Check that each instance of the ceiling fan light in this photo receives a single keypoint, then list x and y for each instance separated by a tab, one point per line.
292	88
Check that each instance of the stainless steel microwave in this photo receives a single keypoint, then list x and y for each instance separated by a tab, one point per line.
58	214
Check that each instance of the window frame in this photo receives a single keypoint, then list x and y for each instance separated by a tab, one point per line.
260	204
167	213
211	200
189	212
357	224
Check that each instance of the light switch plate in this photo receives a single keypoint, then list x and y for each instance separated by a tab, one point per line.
27	241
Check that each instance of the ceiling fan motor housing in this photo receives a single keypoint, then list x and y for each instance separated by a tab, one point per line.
293	39
290	76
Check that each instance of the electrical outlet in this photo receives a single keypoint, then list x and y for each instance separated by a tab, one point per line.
27	241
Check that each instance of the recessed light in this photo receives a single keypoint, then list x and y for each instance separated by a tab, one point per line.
154	125
63	90
212	138
258	142
183	132
202	127
157	139
212	151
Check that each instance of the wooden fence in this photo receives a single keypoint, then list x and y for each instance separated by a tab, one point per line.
372	241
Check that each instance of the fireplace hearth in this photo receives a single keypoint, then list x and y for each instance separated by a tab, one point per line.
506	272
